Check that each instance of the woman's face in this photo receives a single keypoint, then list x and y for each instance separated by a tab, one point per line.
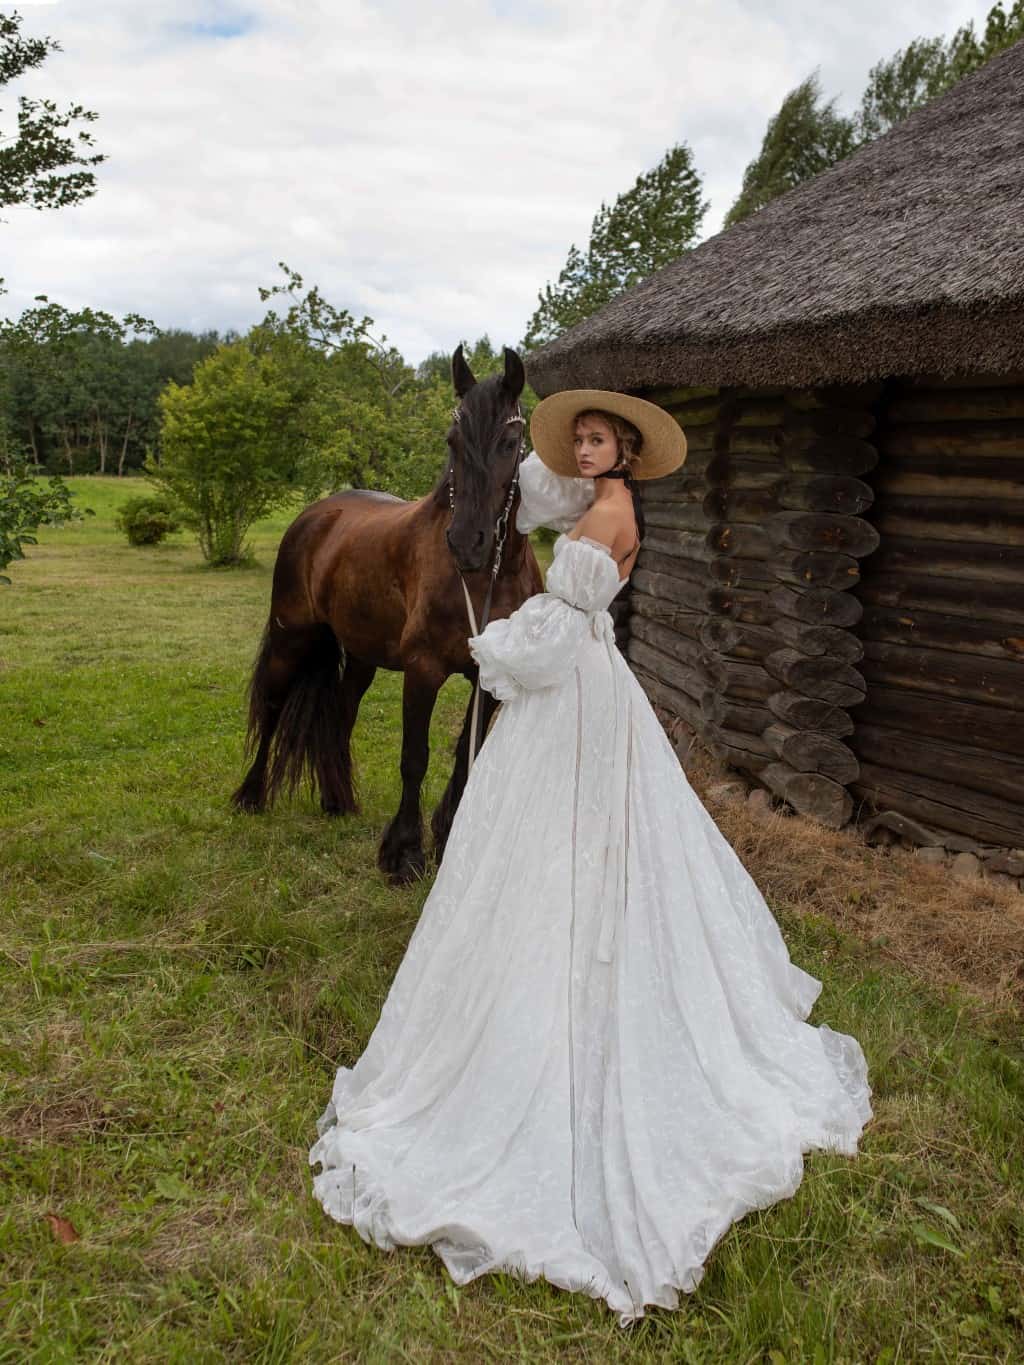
596	447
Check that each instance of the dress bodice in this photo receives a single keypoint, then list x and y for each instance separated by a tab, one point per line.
538	645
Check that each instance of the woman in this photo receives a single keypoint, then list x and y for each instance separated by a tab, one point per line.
592	1059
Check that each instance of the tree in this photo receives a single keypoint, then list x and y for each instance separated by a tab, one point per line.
26	503
65	379
649	225
803	138
45	165
928	66
232	443
806	137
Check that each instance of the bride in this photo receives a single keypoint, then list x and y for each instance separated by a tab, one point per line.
592	1059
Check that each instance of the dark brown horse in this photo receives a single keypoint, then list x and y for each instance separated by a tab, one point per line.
366	580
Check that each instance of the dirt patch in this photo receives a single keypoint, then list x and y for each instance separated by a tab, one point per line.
945	931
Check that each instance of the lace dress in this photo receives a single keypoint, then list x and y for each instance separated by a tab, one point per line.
592	1059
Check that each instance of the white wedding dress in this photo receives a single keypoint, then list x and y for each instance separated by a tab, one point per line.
592	1059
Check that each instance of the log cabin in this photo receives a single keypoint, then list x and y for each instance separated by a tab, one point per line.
831	589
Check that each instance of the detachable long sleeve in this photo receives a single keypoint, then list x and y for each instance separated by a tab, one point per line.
550	499
538	644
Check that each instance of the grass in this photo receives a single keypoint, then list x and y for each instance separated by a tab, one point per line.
177	985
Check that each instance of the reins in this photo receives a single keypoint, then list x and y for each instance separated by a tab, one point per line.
500	532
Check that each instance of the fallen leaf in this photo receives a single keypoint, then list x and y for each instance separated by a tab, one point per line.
62	1228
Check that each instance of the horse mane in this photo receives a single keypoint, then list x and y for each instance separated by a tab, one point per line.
482	412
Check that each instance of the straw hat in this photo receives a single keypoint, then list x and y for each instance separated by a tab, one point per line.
553	431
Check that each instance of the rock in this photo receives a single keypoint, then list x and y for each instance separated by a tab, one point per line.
759	804
729	793
930	854
1009	861
966	866
893	823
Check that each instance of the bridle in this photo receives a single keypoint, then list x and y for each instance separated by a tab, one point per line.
500	532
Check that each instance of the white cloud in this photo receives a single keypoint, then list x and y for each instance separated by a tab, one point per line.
425	164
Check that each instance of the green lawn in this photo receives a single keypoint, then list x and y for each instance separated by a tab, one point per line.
178	983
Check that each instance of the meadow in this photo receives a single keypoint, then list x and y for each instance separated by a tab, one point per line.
178	984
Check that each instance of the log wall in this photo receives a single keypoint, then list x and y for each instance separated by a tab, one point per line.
831	593
741	611
940	734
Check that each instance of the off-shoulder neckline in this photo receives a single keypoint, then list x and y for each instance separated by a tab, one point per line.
598	545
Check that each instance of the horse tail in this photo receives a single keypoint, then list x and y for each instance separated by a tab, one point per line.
296	715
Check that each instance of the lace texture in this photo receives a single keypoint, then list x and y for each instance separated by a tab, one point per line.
593	1057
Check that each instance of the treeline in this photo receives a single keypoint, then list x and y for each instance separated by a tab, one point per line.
79	392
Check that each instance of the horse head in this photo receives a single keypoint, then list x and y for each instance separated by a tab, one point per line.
485	441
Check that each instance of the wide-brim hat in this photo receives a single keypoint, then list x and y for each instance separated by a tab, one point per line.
553	431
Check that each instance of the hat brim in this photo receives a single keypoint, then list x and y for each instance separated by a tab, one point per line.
553	431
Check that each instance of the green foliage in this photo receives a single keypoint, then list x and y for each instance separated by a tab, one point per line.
232	442
803	138
26	503
36	163
148	520
649	225
806	136
77	388
928	66
371	421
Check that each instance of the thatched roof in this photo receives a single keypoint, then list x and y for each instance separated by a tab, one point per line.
906	258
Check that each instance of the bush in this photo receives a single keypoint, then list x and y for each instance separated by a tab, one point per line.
146	521
231	442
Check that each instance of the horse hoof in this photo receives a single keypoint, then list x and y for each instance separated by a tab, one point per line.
249	803
402	866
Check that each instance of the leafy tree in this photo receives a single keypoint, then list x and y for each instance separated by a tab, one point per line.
928	66
65	379
26	503
898	86
803	138
806	137
45	165
232	443
649	225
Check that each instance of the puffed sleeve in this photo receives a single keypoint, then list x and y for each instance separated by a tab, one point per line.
550	499
584	574
535	647
538	644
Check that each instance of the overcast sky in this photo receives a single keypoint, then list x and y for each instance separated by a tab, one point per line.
426	162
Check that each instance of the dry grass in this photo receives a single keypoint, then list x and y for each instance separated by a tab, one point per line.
941	929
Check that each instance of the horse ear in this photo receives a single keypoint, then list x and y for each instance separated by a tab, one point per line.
515	375
462	376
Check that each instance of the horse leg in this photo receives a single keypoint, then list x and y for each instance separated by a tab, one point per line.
401	854
444	812
337	781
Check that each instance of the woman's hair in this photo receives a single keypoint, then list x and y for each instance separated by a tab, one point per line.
629	438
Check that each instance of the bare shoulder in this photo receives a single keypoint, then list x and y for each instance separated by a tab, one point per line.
603	522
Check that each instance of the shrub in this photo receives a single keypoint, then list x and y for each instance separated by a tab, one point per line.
147	520
231	442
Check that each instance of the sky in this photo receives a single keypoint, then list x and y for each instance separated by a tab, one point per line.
426	163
